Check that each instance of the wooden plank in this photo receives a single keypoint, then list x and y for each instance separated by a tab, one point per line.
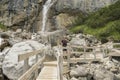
118	51
26	65
114	52
53	63
48	73
75	52
60	66
31	70
73	46
117	48
46	79
27	55
82	52
116	43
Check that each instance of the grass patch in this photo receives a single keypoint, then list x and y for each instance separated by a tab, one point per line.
3	27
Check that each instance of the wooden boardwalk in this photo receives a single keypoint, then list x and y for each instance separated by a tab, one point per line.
50	71
57	70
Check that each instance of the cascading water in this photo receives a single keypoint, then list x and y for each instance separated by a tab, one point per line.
46	7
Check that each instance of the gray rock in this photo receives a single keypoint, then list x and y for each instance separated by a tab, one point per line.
11	67
82	78
77	41
73	78
102	74
118	76
79	72
18	30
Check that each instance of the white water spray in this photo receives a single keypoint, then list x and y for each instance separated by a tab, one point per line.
46	7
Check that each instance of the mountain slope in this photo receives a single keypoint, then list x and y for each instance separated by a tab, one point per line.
104	23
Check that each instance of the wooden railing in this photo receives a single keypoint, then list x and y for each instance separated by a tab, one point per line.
83	51
116	46
71	49
28	72
62	65
115	51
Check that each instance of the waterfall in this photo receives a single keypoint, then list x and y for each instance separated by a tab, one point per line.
46	7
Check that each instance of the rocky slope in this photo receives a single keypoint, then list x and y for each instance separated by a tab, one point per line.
27	14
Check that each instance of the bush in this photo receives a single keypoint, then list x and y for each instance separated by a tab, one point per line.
103	23
3	27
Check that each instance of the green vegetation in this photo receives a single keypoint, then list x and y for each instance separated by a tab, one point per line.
3	27
104	23
116	46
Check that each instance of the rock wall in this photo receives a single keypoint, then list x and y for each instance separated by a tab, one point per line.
27	14
82	5
20	13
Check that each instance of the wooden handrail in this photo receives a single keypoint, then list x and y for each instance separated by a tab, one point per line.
116	43
27	74
27	55
34	68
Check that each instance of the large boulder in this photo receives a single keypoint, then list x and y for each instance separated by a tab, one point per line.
11	67
79	72
102	74
78	41
118	77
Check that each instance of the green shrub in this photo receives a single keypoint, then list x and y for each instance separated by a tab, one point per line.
103	23
3	27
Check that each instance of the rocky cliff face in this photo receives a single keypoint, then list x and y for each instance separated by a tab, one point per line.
27	14
82	5
20	13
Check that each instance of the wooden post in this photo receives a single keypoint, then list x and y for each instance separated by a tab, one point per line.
103	51
36	71
36	58
84	53
68	56
26	65
60	66
94	53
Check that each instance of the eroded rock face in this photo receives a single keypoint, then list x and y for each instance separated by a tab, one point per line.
20	14
79	72
27	14
11	67
64	19
68	10
82	5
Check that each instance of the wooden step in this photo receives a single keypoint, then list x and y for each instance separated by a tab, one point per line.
53	63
